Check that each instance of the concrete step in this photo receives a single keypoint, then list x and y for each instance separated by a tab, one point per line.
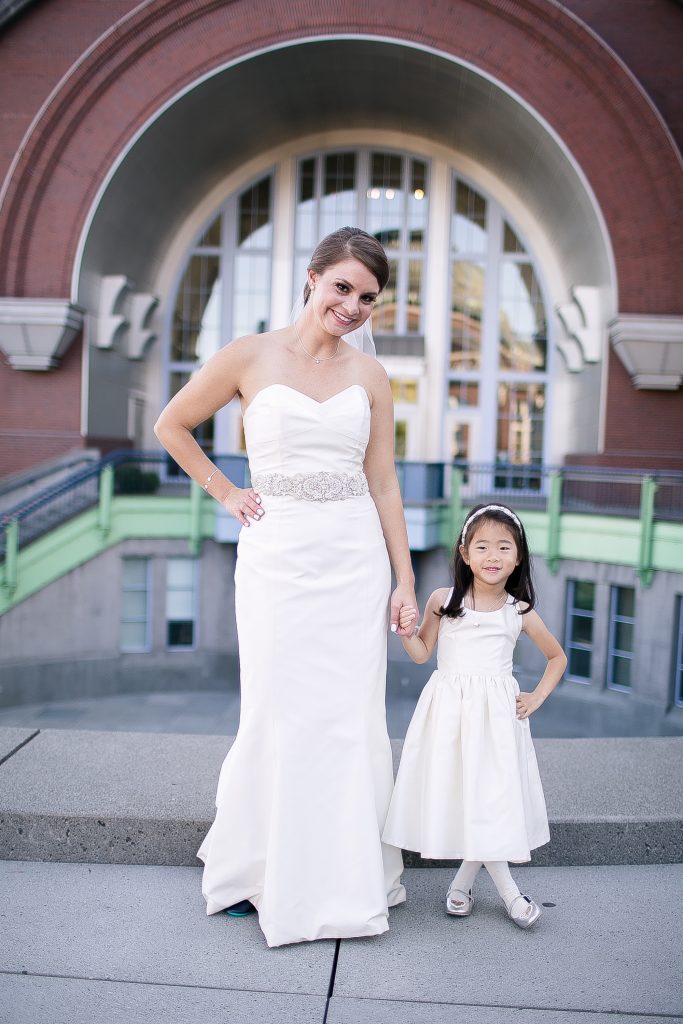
148	798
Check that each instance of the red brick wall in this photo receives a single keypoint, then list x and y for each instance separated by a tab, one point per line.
40	412
645	423
648	36
36	50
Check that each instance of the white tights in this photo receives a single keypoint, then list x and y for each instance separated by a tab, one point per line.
499	872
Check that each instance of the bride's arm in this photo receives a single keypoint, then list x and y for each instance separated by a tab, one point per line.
383	483
215	384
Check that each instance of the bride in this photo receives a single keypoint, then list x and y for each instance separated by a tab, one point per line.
304	790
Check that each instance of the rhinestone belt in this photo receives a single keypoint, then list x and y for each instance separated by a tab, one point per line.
320	486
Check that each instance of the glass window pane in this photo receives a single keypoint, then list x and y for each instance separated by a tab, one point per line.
460	442
417	205
626	603
623	636
134	604
212	235
467	303
400	436
409	391
180	634
621	671
135	572
133	635
254	228
197	314
385	199
519	437
340	173
386	171
511	242
179	604
338	204
582	629
414	304
463	393
180	572
384	315
306	180
522	319
468	227
584	595
579	663
251	294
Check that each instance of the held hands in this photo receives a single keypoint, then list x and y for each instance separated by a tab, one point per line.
404	610
407	620
527	703
244	504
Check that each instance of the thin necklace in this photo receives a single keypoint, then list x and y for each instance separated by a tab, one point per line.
495	609
321	359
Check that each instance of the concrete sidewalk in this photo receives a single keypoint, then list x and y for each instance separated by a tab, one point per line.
141	798
115	944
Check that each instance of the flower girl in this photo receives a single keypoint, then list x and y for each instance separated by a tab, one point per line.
468	785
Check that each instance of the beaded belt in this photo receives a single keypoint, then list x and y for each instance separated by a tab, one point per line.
320	486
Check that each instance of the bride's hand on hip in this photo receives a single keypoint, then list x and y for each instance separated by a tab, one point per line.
402	596
244	504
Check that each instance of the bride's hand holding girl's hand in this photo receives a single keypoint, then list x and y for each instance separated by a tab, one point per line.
527	703
243	503
407	620
403	598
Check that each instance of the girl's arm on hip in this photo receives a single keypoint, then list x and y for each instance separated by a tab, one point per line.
549	646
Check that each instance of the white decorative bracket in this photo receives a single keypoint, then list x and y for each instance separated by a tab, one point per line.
651	349
111	322
585	334
140	336
35	333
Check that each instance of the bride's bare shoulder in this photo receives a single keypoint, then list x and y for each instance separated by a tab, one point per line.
250	348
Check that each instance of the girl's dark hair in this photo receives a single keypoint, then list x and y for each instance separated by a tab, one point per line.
519	583
350	243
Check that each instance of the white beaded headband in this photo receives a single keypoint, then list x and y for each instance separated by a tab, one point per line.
481	511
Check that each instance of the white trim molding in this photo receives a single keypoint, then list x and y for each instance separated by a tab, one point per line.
651	349
35	333
583	324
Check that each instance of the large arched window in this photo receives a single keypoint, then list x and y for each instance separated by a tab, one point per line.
466	350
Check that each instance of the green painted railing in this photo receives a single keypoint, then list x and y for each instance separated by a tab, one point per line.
556	528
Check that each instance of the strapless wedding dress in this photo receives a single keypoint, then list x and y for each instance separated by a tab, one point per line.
304	791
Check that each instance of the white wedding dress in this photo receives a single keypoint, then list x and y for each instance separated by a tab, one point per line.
304	791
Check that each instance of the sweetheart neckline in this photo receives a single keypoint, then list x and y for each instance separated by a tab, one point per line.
303	394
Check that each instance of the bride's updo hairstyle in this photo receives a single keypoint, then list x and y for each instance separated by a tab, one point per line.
345	244
519	584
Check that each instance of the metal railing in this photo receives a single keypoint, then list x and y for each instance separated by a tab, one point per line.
588	489
578	489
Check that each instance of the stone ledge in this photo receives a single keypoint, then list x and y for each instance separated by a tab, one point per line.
147	798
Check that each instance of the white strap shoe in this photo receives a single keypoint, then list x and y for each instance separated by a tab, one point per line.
524	913
459	903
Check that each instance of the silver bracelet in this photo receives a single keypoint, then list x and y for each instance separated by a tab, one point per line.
208	479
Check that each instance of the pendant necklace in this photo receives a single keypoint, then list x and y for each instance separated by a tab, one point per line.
317	359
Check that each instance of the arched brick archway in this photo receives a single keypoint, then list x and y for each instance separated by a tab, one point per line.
534	48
